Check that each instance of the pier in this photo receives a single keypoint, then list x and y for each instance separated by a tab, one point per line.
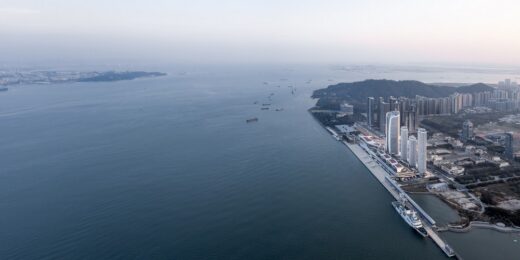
377	169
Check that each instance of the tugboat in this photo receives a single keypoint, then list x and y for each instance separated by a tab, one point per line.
410	217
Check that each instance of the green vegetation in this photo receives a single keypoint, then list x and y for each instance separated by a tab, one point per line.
357	92
505	216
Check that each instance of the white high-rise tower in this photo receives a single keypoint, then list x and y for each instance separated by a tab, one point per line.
421	150
412	151
404	142
393	125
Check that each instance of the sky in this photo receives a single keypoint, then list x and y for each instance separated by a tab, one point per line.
253	31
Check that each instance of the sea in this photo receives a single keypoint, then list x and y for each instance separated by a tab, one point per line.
168	168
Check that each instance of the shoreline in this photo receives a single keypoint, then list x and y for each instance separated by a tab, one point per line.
393	188
481	225
468	225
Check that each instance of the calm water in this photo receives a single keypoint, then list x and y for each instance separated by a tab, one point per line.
167	168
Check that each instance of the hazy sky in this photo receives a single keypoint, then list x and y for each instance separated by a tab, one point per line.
368	31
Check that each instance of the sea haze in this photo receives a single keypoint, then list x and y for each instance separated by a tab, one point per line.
168	168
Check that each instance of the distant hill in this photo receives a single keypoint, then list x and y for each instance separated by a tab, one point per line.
116	76
479	87
357	92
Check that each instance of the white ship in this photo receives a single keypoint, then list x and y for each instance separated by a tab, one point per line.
410	217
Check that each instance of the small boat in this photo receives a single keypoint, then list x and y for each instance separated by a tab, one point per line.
4	89
265	108
279	109
266	104
252	120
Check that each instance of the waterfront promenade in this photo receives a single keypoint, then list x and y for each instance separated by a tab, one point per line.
381	175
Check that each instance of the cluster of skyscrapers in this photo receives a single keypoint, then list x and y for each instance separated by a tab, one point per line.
400	143
399	118
377	112
505	98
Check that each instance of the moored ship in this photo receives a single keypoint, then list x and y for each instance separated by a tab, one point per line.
410	217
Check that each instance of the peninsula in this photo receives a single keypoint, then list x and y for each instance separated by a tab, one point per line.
8	78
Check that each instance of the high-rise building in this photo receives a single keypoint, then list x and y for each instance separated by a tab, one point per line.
421	150
393	125
394	104
404	142
383	109
457	102
482	98
467	131
508	143
346	108
370	111
412	151
411	119
507	83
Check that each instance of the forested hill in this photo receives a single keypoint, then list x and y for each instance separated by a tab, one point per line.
385	88
357	92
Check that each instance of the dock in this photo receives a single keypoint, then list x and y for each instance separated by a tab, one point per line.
376	167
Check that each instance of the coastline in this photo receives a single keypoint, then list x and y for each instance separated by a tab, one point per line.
482	225
381	175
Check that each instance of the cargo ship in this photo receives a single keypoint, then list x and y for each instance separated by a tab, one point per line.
410	217
251	120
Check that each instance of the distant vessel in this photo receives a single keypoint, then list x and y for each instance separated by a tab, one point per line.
251	120
410	217
266	104
265	108
279	109
4	89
